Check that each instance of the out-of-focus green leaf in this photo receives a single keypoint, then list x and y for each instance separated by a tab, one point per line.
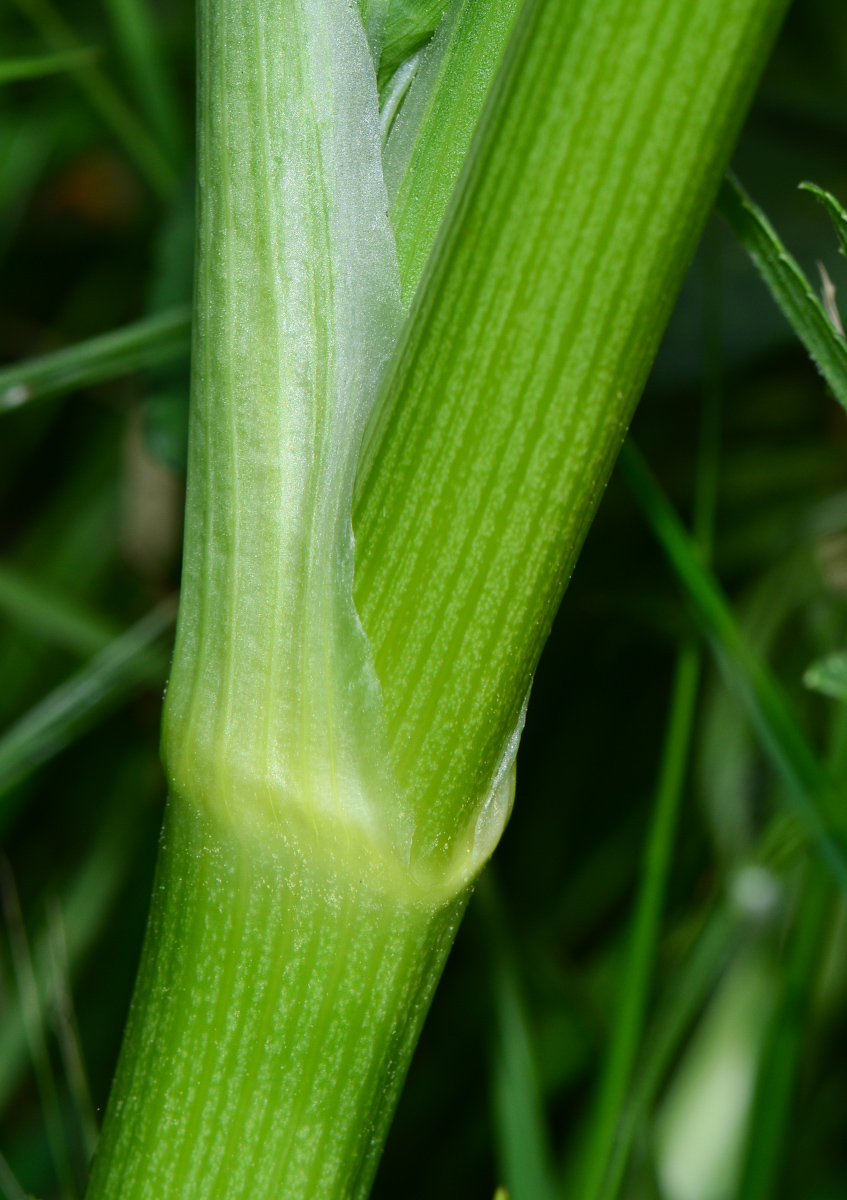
638	972
51	616
35	1030
788	285
828	676
140	44
835	210
522	1140
85	902
13	69
131	660
157	339
806	782
104	98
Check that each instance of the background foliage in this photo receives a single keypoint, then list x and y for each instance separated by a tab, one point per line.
751	972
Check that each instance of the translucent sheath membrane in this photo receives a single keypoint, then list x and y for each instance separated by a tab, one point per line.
273	700
274	704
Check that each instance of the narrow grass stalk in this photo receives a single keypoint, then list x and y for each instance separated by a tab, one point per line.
807	783
674	1017
149	342
56	619
777	1079
86	901
641	953
67	1034
13	69
341	762
34	1026
129	661
524	1152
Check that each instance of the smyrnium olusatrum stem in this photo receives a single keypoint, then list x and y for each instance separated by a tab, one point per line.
336	784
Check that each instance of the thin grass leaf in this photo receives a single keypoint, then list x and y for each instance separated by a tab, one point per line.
104	98
67	1033
638	972
14	69
34	1028
806	783
25	148
9	1185
140	44
769	1130
130	661
86	903
522	1138
691	986
788	285
834	208
639	969
828	676
49	615
151	341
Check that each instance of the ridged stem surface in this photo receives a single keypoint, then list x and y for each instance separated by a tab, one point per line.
277	1006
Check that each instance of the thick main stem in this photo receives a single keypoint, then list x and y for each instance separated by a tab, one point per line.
277	1006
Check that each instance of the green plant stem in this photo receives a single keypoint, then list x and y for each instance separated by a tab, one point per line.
641	952
808	784
336	785
308	989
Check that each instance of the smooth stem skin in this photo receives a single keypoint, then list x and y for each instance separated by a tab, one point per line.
641	956
335	786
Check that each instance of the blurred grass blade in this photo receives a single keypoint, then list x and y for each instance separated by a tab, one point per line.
692	984
638	971
34	1029
769	1131
13	69
9	1185
104	98
788	285
86	904
139	42
828	676
25	146
45	612
67	1033
835	210
807	784
74	706
522	1140
637	981
153	340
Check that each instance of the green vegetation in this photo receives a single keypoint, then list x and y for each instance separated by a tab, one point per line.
646	997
